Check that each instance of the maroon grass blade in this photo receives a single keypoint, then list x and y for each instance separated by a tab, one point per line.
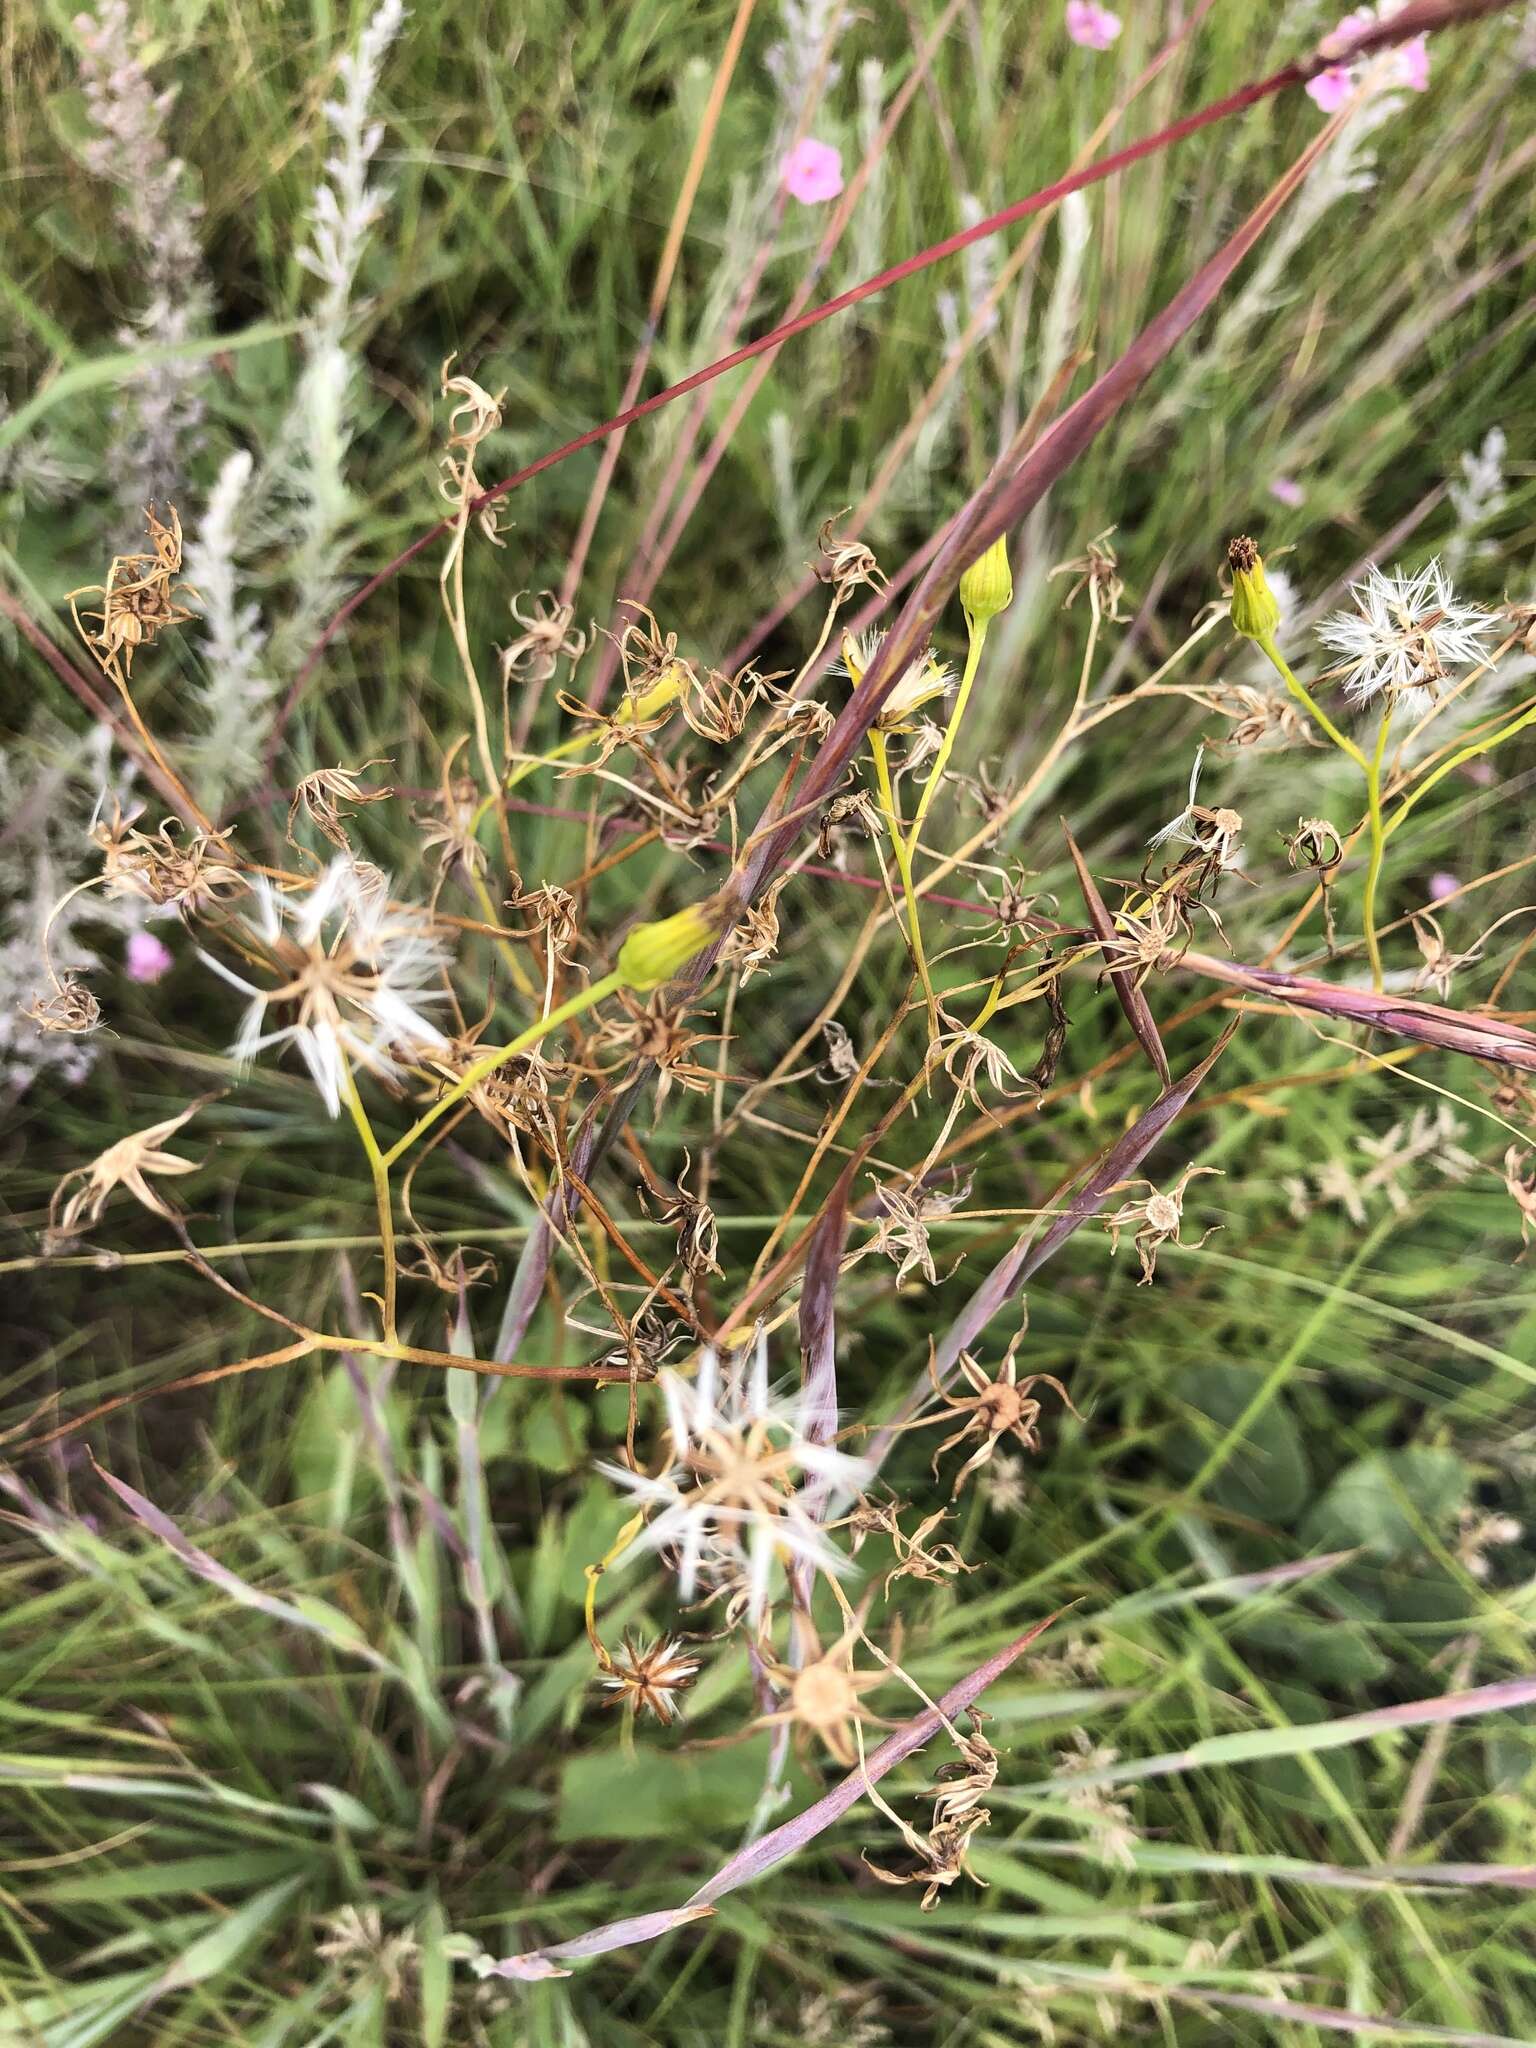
1121	979
1421	17
1026	1258
1484	1038
784	1841
1002	501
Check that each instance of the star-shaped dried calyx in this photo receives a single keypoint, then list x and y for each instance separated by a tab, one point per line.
128	1165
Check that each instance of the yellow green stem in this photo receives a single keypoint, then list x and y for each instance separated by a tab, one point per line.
978	640
1378	845
523	769
1304	696
484	1068
904	866
378	1167
1456	761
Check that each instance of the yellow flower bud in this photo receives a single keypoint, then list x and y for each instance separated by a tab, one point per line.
986	588
1255	610
654	953
652	702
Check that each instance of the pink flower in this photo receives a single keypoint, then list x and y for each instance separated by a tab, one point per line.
1441	886
1288	491
1408	65
1330	89
812	171
1090	26
1413	64
148	958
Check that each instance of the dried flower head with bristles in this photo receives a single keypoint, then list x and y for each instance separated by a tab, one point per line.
139	599
190	875
352	977
547	636
648	1680
321	795
729	1490
474	415
1211	832
1406	636
68	1008
1314	844
846	564
1520	1184
826	1694
1439	964
126	1165
1097	571
1156	1217
999	1405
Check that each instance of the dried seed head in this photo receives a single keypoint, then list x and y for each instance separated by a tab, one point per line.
649	1680
69	1007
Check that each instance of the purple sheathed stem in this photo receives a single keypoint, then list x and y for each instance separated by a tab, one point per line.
784	1841
1138	1013
1030	1253
1484	1038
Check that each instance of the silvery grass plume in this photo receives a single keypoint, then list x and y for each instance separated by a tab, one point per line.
1477	496
309	465
48	783
233	699
1346	170
792	63
157	412
728	1496
34	471
1406	635
351	977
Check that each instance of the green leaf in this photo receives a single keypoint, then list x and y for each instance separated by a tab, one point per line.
436	1975
1390	1502
609	1796
1266	1473
228	1939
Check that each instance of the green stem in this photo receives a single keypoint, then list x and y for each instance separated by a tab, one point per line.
524	769
378	1167
1304	696
978	632
1378	844
1469	753
904	867
483	1068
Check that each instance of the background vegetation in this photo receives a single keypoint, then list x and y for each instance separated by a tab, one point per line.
223	1824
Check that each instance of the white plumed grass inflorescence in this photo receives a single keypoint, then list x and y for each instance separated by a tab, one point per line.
234	696
311	461
158	410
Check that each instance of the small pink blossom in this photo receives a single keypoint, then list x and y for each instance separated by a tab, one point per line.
1413	64
1330	89
1288	491
148	957
1408	65
1443	885
1090	26
812	171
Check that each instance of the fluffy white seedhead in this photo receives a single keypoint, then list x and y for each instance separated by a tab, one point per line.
351	979
1405	637
730	1494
